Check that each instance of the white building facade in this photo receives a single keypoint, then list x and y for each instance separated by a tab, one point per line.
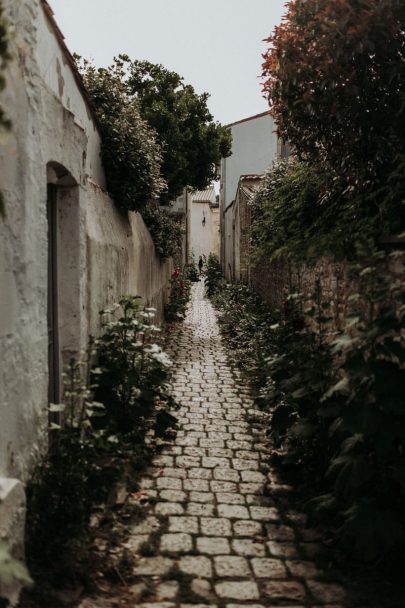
204	224
255	147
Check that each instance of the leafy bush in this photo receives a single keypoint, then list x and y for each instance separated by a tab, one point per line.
214	277
133	368
130	153
179	296
96	443
166	233
301	211
334	77
192	143
191	272
336	408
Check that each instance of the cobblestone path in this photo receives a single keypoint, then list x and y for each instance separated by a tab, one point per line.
221	532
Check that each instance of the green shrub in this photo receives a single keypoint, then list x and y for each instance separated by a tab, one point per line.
175	309
214	277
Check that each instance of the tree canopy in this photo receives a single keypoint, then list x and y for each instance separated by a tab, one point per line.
335	80
192	143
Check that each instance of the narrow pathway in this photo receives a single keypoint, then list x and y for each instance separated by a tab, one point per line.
221	532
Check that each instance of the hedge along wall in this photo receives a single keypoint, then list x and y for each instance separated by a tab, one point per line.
335	282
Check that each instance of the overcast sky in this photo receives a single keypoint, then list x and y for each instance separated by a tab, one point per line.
215	44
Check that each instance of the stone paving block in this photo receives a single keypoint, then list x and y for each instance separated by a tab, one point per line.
187	462
303	569
176	543
204	497
197	565
226	474
245	590
248	547
326	592
213	545
197	485
187	523
253	477
284	591
264	513
247	454
194	451
172	472
200	473
284	550
215	526
169	508
251	488
163	461
233	444
195	508
148	566
245	465
167	590
210	462
264	567
280	533
232	566
169	483
223	486
247	528
220	453
230	498
173	495
232	511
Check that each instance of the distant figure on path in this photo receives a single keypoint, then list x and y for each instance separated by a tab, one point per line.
200	264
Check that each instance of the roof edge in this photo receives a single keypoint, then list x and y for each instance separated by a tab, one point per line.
238	122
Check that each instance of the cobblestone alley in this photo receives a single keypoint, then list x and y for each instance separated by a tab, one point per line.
222	528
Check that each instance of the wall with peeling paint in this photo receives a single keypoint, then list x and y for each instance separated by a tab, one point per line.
102	254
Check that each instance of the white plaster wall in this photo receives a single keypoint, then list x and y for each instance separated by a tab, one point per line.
203	237
254	149
103	254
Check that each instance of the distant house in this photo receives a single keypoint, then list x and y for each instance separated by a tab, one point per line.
255	147
204	223
238	216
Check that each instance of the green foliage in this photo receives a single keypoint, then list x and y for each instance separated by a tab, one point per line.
191	272
301	211
214	277
166	233
336	407
175	309
131	155
133	368
335	75
192	143
96	443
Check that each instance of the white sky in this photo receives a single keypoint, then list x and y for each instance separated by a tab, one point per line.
215	44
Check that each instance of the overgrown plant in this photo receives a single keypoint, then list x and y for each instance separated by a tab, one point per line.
95	443
214	276
133	369
175	309
167	234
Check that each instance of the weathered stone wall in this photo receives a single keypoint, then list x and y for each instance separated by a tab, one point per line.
101	254
276	280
